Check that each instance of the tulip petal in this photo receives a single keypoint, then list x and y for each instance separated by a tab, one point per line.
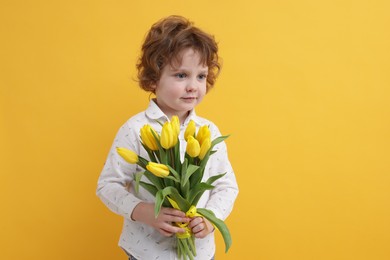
190	130
205	147
148	138
128	155
193	147
166	136
159	170
203	134
175	124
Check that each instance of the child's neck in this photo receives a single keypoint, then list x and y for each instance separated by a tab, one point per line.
182	116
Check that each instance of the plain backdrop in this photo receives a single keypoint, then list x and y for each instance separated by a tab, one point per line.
304	94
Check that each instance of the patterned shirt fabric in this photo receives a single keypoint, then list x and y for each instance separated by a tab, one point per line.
116	188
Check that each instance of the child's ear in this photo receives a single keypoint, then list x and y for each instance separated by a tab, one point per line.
153	87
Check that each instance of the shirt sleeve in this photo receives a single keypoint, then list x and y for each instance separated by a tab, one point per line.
114	182
225	192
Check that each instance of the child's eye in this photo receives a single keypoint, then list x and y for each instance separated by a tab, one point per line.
180	75
202	76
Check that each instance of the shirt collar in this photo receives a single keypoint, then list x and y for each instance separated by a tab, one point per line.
155	113
192	116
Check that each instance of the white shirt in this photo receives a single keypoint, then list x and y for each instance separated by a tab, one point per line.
116	188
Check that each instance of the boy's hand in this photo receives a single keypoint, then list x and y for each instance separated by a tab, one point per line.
201	227
144	212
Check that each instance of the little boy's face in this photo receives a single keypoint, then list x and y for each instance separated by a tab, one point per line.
181	87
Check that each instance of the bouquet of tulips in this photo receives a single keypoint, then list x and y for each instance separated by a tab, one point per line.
175	183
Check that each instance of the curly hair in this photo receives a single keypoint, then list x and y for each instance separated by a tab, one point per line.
163	44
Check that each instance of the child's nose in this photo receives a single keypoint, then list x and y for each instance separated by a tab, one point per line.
191	86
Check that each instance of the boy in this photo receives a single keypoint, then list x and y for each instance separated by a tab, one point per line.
179	64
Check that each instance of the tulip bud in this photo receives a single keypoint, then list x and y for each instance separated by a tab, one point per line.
168	136
193	147
192	212
148	138
128	155
203	133
160	170
190	130
175	134
175	124
204	148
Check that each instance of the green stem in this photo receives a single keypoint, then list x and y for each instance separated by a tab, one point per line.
187	249
191	242
172	158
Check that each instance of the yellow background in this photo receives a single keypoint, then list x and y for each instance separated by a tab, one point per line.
304	93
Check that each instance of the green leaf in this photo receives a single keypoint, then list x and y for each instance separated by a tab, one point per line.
197	176
221	226
168	181
177	155
214	178
159	200
154	179
209	181
212	152
163	157
173	194
142	162
174	172
197	191
149	187
171	178
171	157
152	157
184	169
189	171
138	177
185	190
218	140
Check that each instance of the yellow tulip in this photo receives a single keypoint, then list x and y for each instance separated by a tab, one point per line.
192	212
160	170
190	130
147	137
175	124
187	233
203	133
193	147
128	155
168	136
204	148
173	203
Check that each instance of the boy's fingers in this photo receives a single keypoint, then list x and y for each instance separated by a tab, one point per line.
174	212
179	219
165	232
172	229
195	221
175	216
199	228
200	235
